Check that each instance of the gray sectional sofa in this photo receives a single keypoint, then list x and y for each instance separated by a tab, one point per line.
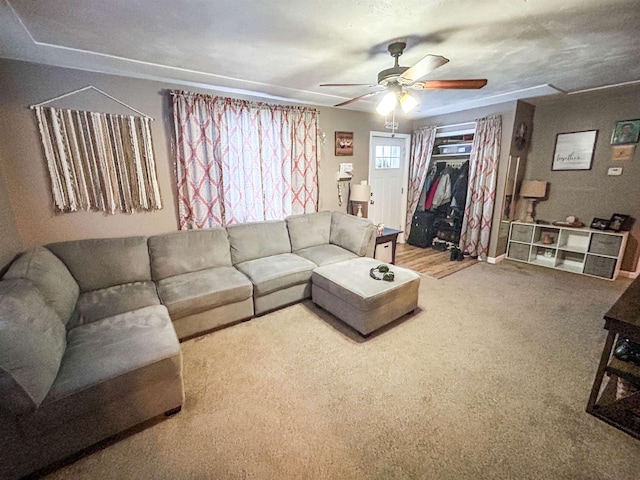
90	329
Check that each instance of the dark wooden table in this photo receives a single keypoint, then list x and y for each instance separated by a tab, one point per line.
389	235
622	321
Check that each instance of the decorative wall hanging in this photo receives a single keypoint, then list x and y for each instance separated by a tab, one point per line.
626	131
622	152
344	143
574	151
98	161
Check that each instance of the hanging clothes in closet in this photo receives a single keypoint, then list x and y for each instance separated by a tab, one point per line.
441	205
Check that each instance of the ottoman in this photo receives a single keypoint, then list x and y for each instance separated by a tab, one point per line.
346	290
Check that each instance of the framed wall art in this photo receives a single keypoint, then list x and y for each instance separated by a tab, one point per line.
622	152
574	151
344	143
626	131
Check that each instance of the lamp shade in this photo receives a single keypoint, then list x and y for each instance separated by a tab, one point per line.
407	102
533	189
387	104
360	193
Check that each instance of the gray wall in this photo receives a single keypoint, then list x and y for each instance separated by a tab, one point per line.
590	193
24	84
507	111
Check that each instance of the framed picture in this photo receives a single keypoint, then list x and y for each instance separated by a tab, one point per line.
574	151
622	152
600	223
626	131
617	221
344	143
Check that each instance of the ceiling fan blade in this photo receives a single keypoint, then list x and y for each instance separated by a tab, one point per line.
347	85
471	84
427	65
355	99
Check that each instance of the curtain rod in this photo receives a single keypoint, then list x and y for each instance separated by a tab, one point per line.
456	125
90	87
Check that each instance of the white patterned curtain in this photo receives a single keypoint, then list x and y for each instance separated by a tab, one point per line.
481	192
421	147
239	161
99	161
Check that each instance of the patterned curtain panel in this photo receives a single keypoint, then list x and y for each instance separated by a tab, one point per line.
481	193
99	161
421	147
239	161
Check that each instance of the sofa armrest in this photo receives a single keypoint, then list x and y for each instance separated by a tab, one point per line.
355	234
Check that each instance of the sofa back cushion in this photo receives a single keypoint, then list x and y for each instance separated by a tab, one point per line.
32	342
309	230
353	233
188	251
258	240
105	262
51	277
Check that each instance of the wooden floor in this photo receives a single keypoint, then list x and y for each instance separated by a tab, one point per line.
429	261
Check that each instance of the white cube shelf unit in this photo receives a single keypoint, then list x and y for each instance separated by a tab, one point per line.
579	250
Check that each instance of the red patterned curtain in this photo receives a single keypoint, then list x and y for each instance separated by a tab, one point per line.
421	147
481	193
239	161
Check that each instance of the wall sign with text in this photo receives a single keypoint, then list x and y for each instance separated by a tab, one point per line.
574	151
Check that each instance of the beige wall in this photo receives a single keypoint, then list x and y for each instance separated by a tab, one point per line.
590	193
507	111
24	84
10	240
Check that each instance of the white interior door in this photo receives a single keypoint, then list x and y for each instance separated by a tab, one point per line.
388	161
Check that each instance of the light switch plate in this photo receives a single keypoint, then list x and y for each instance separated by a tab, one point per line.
615	171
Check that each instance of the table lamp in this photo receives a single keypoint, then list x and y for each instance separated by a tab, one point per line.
531	191
360	194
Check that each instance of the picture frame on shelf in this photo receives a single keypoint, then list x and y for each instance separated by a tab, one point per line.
574	150
625	132
344	144
600	224
618	221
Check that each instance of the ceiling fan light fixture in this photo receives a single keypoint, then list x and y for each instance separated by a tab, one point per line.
387	104
407	102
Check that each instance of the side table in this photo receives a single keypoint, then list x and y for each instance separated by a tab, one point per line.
617	403
386	245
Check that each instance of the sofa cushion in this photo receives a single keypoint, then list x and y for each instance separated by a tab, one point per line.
257	240
51	277
104	262
276	272
107	302
326	254
353	233
309	230
102	351
32	342
197	292
188	251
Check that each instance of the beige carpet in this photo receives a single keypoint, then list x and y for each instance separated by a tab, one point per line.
489	380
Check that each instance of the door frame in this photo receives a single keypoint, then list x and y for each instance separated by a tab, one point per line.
405	170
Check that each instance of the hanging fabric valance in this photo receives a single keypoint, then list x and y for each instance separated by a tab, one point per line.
99	161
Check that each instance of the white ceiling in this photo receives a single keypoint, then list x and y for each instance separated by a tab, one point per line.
284	49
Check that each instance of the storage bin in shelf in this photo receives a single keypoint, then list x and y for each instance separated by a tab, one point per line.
574	241
570	261
605	244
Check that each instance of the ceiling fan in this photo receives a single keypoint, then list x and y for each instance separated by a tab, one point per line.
397	78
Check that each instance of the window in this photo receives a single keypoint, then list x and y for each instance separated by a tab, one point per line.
387	156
